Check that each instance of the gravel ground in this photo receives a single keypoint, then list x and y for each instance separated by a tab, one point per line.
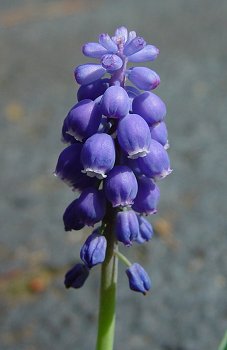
187	309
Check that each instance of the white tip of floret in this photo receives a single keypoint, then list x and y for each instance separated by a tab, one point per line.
163	174
94	173
137	154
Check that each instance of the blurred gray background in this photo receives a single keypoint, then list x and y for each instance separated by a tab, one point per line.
40	45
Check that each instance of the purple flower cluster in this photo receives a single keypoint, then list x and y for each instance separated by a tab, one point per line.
117	150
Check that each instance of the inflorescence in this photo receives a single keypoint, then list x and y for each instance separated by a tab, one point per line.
117	140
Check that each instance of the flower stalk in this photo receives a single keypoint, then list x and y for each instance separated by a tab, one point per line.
117	140
108	287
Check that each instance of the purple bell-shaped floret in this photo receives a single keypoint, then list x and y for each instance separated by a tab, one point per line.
65	137
93	90
143	78
126	227
71	219
134	136
159	133
121	186
156	164
89	72
115	102
150	107
91	206
83	119
147	197
139	280
145	230
76	276
98	155
69	167
93	251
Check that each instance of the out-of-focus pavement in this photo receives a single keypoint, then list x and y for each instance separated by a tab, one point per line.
187	260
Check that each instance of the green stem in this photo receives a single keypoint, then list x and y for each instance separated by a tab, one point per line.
122	258
106	323
223	345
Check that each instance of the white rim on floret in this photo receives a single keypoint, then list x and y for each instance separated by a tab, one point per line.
94	173
60	176
75	135
124	205
163	174
139	153
150	212
167	145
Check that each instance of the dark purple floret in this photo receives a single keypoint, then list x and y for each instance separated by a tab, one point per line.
65	137
71	219
69	168
76	276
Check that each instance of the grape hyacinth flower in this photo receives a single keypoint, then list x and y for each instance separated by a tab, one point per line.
83	119
126	227
117	150
121	186
134	136
145	230
159	133
139	280
115	102
98	155
93	251
76	276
